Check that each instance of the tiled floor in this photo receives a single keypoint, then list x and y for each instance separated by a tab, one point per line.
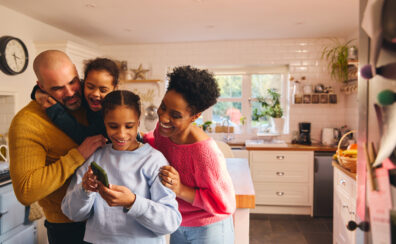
290	229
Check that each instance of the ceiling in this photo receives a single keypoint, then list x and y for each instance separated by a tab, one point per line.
106	22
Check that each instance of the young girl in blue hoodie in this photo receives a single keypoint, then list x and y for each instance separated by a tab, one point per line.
136	207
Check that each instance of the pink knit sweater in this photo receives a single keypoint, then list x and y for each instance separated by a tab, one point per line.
201	165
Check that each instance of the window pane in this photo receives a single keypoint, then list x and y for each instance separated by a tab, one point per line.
261	123
262	82
231	110
230	85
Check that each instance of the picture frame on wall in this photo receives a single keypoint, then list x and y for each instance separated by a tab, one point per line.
324	98
315	98
307	98
333	98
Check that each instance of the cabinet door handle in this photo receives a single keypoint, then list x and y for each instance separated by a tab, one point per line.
1	214
344	206
364	226
280	193
352	212
280	173
343	182
280	157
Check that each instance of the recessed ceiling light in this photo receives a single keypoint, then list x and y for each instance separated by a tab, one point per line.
90	5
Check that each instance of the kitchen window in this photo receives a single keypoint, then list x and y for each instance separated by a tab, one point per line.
239	89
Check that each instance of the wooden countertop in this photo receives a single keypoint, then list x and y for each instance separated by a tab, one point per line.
344	170
295	147
239	170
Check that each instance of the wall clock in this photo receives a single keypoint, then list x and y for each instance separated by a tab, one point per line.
14	56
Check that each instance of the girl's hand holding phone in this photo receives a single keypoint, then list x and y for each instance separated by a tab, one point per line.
117	195
89	182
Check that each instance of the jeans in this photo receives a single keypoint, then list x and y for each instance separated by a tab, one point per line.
65	233
221	232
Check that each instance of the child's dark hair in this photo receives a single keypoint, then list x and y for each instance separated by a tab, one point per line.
197	86
121	98
103	64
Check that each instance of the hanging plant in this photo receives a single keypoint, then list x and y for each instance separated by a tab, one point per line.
337	57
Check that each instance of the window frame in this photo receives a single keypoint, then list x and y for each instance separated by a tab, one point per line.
246	98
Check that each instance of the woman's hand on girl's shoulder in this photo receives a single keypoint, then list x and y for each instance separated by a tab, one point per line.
170	178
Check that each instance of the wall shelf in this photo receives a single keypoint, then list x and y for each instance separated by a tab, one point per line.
138	81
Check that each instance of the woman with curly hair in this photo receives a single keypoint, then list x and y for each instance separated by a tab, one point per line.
197	171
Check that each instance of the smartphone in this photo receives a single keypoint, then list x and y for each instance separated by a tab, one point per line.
100	173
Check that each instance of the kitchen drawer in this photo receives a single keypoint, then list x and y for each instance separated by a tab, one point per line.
295	194
11	211
344	183
280	171
281	156
23	234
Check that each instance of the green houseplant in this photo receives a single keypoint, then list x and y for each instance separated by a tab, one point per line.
270	106
271	110
337	57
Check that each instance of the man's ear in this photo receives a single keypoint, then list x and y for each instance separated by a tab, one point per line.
39	85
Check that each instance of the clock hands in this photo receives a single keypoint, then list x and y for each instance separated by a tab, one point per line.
15	56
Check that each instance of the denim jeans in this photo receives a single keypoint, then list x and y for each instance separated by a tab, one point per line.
221	232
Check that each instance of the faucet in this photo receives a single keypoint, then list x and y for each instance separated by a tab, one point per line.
228	137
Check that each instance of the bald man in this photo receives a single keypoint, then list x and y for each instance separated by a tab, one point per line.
42	157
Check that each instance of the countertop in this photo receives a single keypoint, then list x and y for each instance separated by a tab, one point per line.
344	170
296	147
239	170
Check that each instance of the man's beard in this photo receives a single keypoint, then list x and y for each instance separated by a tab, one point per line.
74	106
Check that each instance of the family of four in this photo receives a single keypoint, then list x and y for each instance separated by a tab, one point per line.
172	181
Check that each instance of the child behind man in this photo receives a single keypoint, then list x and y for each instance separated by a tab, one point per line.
136	208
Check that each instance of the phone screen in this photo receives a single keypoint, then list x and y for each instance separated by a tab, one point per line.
100	173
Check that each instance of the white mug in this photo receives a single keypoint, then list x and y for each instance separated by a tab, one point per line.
3	155
307	89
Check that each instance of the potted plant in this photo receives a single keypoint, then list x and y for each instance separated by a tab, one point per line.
337	57
270	108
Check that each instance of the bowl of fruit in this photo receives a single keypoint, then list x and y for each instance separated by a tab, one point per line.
347	157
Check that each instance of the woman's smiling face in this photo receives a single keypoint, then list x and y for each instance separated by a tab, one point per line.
174	116
97	85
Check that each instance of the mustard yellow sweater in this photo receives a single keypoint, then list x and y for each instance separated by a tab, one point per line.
42	158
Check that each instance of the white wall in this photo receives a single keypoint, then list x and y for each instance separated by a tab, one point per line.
303	56
29	31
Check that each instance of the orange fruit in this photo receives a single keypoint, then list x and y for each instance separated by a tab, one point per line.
353	146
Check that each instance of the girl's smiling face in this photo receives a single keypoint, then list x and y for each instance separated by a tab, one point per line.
175	116
122	124
97	85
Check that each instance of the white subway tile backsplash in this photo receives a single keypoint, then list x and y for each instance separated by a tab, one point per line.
302	55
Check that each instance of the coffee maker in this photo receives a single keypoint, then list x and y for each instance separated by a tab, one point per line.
304	136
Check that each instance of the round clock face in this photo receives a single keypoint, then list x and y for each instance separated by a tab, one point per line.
14	55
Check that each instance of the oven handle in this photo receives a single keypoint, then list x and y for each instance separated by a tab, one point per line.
2	213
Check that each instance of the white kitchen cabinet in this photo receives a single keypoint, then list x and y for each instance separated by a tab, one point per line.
344	207
283	181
